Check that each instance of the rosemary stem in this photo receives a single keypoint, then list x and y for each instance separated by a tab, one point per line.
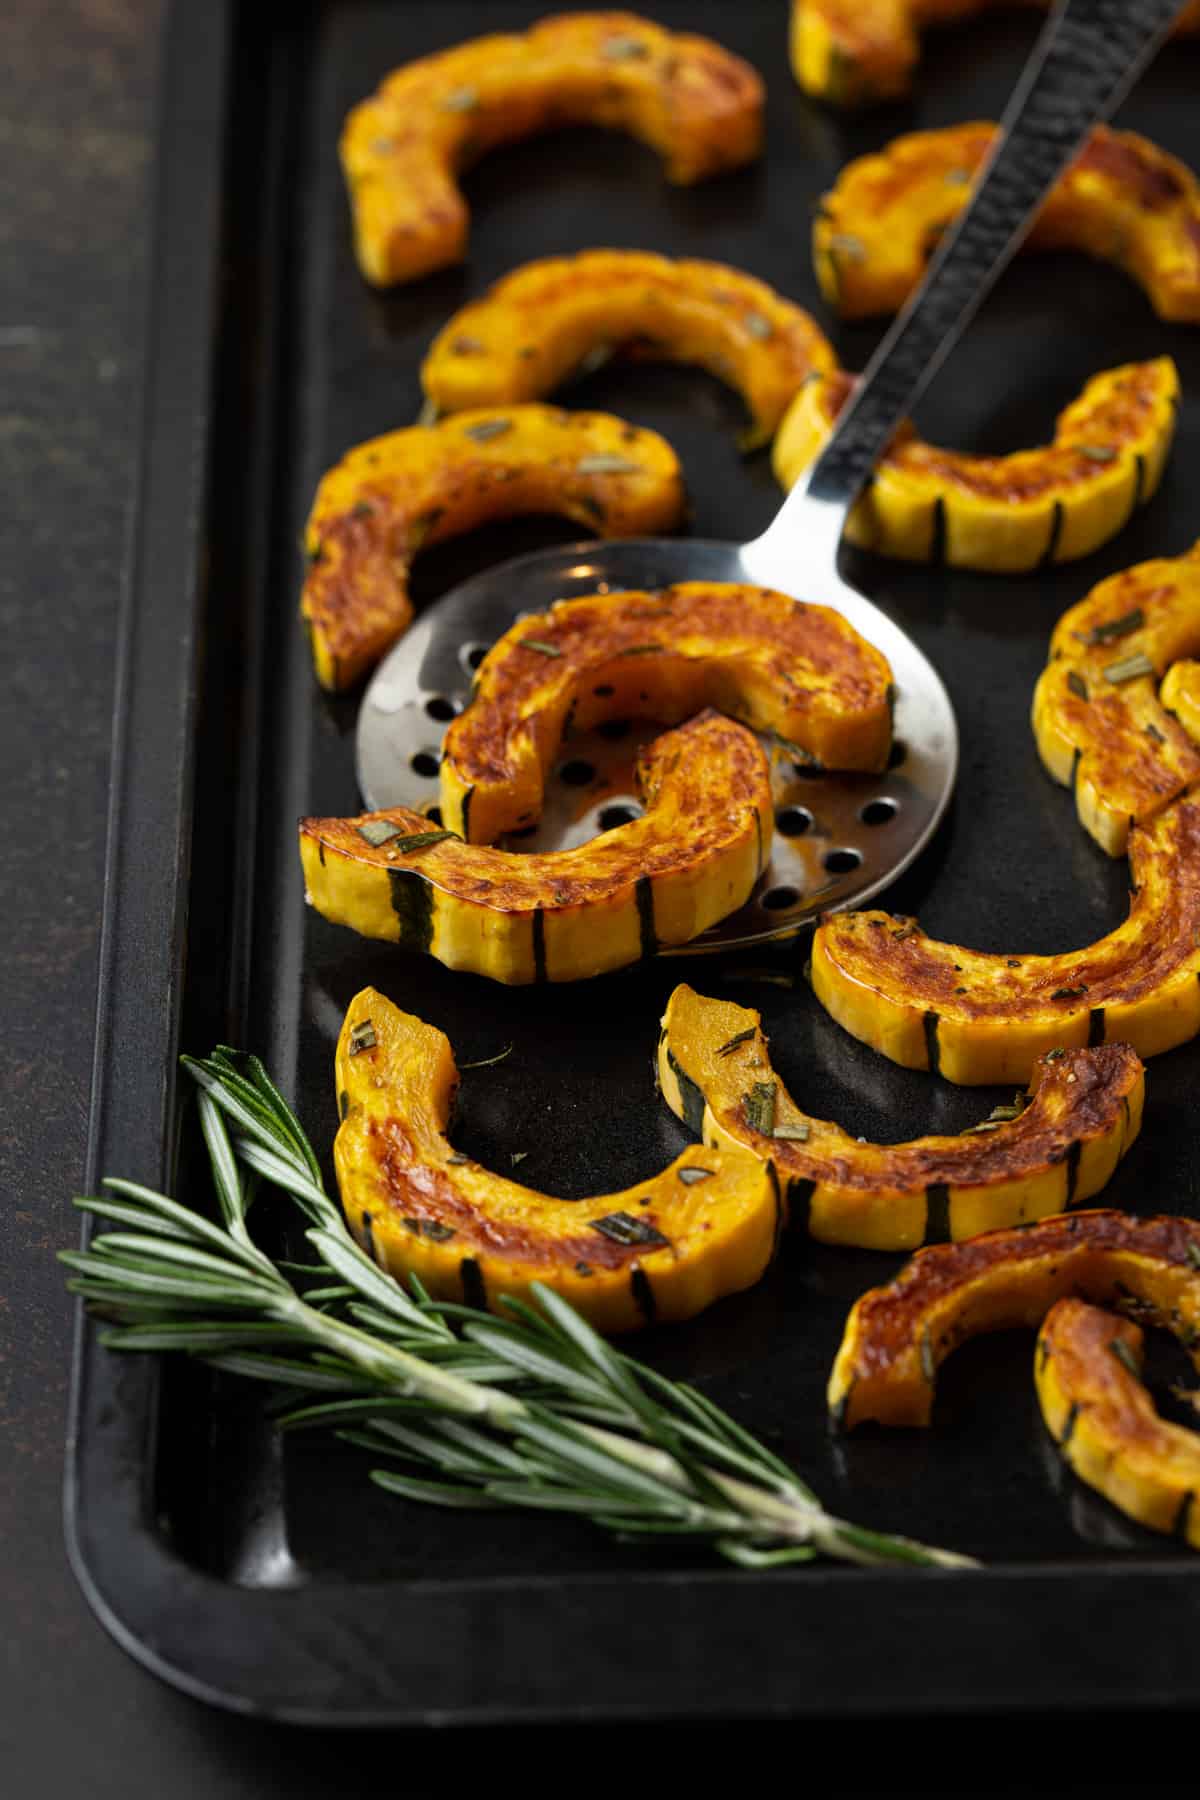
792	1519
397	1369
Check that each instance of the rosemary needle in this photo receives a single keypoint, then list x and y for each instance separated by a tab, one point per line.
532	1410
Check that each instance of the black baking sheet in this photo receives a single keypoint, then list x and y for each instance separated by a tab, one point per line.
278	1581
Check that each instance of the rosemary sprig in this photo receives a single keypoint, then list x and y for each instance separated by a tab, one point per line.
534	1410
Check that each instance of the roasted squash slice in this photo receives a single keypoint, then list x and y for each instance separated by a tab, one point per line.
402	150
896	1336
714	1072
548	319
390	497
1104	1421
692	857
1101	723
860	52
799	671
975	1017
704	1227
1005	513
1123	200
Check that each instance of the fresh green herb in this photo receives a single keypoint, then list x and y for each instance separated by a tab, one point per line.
1128	669
1125	1357
607	465
909	929
362	1037
758	326
743	1037
623	1228
792	1134
1115	628
487	428
540	646
429	414
463	99
1193	1253
1054	1055
1097	453
1077	684
487	1062
759	1107
1153	732
532	1411
691	1173
517	1156
457	1157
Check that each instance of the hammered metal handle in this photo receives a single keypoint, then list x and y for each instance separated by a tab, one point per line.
1089	54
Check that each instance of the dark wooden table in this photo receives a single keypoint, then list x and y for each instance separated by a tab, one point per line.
77	82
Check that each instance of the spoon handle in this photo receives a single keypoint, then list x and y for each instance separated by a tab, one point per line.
1089	54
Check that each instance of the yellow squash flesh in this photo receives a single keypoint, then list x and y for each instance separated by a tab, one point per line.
1104	1420
394	495
715	1073
862	52
799	671
975	1017
705	1226
546	319
693	856
402	150
1102	724
1123	200
896	1336
1002	513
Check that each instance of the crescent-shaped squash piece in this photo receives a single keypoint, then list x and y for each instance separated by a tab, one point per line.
896	1336
861	52
705	1226
547	319
975	1017
1044	1153
394	495
1101	722
1123	200
1103	1419
1003	513
781	666
402	150
692	858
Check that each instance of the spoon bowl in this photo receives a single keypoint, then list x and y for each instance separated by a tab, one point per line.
839	838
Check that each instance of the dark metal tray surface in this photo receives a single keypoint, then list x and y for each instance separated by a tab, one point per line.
278	1581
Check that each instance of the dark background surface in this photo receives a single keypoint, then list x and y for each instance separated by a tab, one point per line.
76	89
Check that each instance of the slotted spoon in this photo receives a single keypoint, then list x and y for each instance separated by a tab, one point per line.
839	839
